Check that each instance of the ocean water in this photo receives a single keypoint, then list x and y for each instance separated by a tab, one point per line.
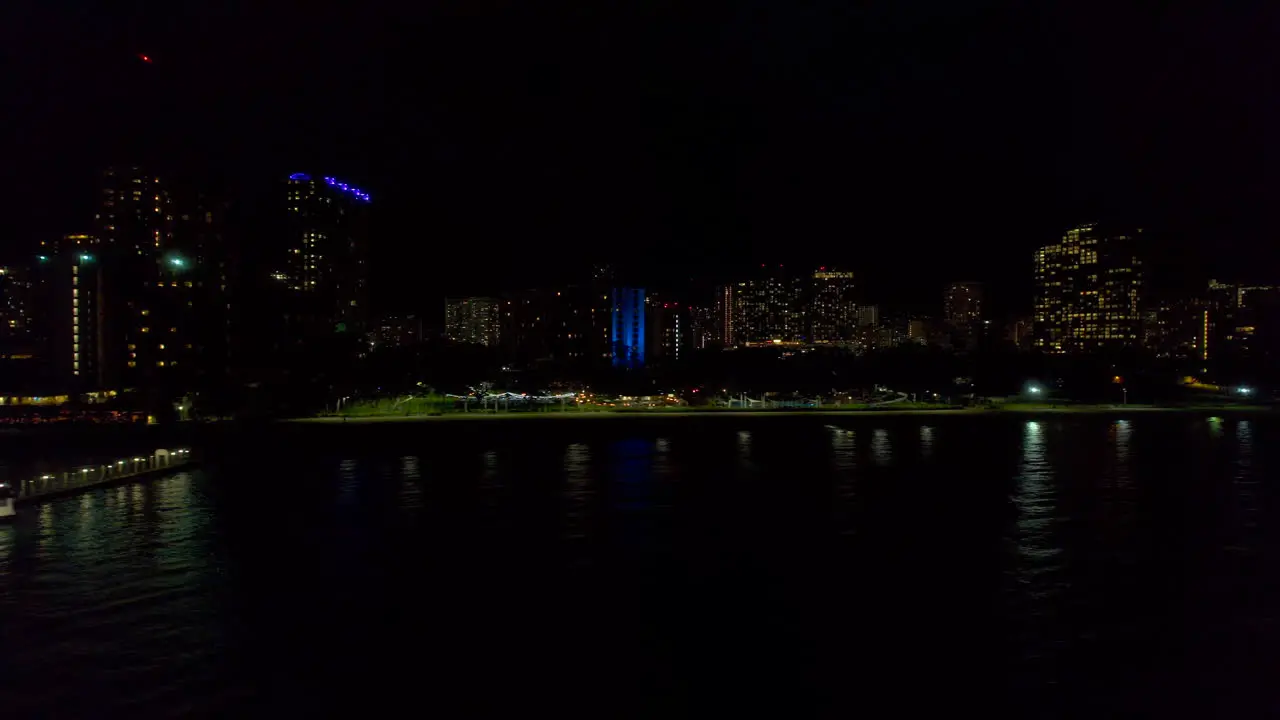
1057	566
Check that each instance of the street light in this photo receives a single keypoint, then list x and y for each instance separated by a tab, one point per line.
1244	390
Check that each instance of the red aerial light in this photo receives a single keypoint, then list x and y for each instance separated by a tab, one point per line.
144	58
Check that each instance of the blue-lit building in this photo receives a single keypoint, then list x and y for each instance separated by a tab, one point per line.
326	267
628	327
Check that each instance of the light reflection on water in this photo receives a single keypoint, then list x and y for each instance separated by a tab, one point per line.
844	461
880	450
1055	514
926	442
1036	500
578	493
410	496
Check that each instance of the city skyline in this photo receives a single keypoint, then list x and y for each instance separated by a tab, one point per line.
822	138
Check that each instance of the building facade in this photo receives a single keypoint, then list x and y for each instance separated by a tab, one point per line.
473	320
628	328
1088	291
326	266
552	324
670	328
962	304
770	307
833	315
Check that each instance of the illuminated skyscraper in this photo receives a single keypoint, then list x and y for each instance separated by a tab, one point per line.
769	307
726	315
326	268
474	320
834	312
1088	290
670	329
962	304
628	327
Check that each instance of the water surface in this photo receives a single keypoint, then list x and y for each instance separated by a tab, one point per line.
1063	566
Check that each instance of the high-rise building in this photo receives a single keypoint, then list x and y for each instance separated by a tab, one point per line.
703	328
325	266
628	327
17	306
769	307
474	320
70	289
599	305
962	304
160	266
393	331
1242	325
868	315
1088	290
834	312
726	309
670	329
558	325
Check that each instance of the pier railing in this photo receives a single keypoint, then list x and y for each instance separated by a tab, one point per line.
90	475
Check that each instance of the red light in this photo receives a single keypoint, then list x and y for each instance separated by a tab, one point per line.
824	267
144	58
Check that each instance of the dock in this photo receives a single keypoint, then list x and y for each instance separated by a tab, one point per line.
80	479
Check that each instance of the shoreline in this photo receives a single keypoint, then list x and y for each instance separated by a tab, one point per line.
934	412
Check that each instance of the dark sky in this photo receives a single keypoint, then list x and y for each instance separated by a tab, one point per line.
504	142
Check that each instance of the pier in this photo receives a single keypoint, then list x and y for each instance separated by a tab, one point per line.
79	479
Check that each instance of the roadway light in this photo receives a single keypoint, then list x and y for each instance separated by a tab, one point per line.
1033	389
1244	390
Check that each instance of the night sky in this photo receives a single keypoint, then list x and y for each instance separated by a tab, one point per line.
511	144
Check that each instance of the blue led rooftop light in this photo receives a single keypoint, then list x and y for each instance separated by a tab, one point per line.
349	189
300	176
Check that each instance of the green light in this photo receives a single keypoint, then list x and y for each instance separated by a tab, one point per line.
86	258
42	258
177	262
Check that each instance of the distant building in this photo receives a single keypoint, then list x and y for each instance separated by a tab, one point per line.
628	327
71	287
474	320
705	329
160	260
919	331
1242	324
1088	290
833	316
325	265
547	324
769	307
1018	333
962	304
868	315
1178	328
17	307
670	330
394	331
